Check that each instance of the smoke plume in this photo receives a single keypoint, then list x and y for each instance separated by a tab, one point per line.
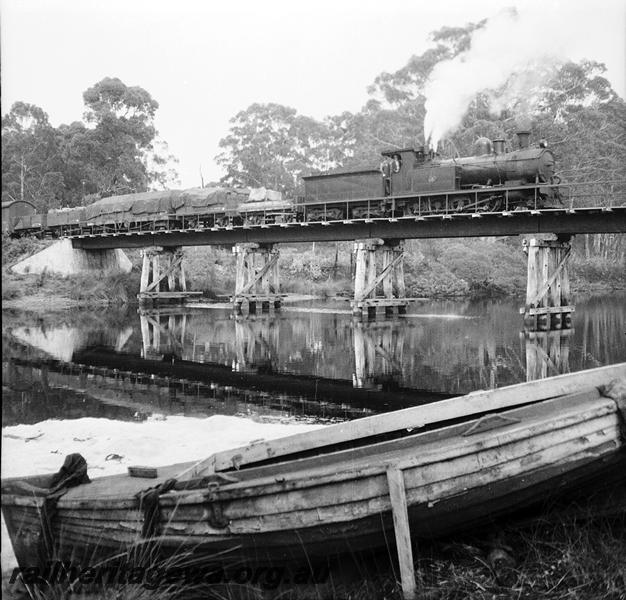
513	54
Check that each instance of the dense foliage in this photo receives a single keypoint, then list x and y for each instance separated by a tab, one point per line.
112	151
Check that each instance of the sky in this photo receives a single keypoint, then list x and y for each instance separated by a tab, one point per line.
204	60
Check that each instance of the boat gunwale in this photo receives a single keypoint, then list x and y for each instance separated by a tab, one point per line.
457	447
536	392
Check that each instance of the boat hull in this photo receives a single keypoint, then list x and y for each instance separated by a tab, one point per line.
456	477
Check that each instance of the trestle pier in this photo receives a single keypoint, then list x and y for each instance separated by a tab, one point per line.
371	274
163	277
257	281
548	299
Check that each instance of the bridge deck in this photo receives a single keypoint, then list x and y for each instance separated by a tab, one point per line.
559	221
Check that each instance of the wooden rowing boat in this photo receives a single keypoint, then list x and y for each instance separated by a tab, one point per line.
440	468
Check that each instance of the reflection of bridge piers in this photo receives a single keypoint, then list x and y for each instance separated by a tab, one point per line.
378	353
256	343
162	333
547	353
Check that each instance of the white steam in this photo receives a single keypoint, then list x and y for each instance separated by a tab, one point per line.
509	59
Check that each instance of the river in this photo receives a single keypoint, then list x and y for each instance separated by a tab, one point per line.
311	361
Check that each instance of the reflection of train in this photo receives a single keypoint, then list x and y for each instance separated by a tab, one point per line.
409	182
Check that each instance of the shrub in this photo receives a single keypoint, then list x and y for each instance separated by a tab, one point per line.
14	250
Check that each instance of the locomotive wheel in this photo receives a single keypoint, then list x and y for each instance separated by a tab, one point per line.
254	219
457	204
495	204
333	214
418	208
437	205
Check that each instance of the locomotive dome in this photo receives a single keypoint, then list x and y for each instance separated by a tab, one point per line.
483	145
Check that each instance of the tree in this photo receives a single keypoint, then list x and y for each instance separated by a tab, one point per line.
407	84
31	161
270	145
115	151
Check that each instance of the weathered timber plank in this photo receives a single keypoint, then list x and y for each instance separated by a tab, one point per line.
427	496
543	310
397	496
511	474
432	484
474	403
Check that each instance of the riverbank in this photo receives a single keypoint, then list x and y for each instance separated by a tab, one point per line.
461	269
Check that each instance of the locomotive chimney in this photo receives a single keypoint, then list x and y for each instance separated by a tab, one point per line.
523	138
498	146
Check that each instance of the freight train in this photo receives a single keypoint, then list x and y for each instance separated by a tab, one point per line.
408	182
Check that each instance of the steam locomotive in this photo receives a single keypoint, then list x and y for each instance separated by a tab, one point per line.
408	182
414	182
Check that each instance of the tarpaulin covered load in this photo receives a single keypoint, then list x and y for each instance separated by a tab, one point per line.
199	201
178	203
157	202
128	207
263	194
266	201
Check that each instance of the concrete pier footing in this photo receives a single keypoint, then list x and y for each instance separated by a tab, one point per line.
63	259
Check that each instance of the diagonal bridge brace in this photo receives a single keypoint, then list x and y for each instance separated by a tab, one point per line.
258	275
383	274
546	286
171	270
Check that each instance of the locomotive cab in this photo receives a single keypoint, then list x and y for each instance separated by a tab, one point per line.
409	172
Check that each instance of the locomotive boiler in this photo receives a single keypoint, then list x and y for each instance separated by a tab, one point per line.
415	182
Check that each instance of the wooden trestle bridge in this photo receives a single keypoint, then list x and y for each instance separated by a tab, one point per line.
379	251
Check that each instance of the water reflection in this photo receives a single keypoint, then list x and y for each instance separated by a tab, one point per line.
378	353
162	333
319	364
256	342
547	353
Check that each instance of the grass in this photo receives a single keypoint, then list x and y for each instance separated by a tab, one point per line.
559	555
83	290
47	290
